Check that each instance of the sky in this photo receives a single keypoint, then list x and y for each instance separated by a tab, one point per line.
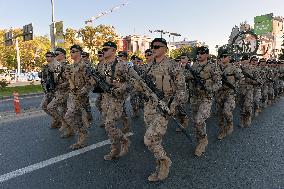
208	21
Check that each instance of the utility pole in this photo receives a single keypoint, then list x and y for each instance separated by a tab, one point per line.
52	27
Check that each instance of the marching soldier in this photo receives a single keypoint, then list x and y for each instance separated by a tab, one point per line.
225	96
100	68
149	56
206	80
264	87
181	115
58	106
86	98
48	84
171	87
256	86
116	74
80	85
246	93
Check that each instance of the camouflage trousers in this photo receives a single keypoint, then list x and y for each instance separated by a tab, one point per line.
47	98
76	114
225	103
264	94
98	102
246	100
87	106
256	96
114	113
156	127
270	91
201	109
137	102
105	103
58	106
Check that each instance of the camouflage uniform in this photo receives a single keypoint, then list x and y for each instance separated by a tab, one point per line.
48	84
76	115
181	114
225	98
86	99
116	74
257	90
172	83
205	81
264	87
246	95
271	80
58	106
136	97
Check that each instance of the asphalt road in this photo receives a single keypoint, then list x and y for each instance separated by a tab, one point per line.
249	158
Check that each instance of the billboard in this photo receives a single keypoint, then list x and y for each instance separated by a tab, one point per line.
263	24
59	37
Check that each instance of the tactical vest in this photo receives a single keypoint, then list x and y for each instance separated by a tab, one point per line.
77	76
163	76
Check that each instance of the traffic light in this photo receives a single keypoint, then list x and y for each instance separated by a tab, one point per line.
28	32
8	38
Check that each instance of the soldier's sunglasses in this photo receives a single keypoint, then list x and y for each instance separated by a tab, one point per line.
48	56
148	54
157	46
105	49
100	55
57	53
201	53
73	51
224	56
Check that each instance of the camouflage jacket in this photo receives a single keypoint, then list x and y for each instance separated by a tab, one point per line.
205	79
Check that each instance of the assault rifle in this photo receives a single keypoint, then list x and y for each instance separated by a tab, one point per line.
102	85
163	107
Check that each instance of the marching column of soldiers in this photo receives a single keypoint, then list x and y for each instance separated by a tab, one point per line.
160	88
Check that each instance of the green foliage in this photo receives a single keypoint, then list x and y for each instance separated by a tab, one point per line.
3	83
28	89
189	50
32	53
94	37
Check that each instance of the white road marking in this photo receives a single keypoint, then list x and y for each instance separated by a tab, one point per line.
51	161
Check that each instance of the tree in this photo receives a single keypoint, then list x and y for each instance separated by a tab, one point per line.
94	37
189	50
32	53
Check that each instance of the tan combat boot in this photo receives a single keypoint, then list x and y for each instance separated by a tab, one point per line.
81	140
230	128
165	164
154	176
124	147
247	121
222	133
200	148
242	121
257	111
114	153
184	122
68	133
64	125
55	124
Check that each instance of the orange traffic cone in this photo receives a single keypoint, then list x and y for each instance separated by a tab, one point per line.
17	102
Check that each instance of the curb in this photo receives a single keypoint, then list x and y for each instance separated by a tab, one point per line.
24	95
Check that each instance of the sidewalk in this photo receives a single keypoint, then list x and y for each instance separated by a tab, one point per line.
23	83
